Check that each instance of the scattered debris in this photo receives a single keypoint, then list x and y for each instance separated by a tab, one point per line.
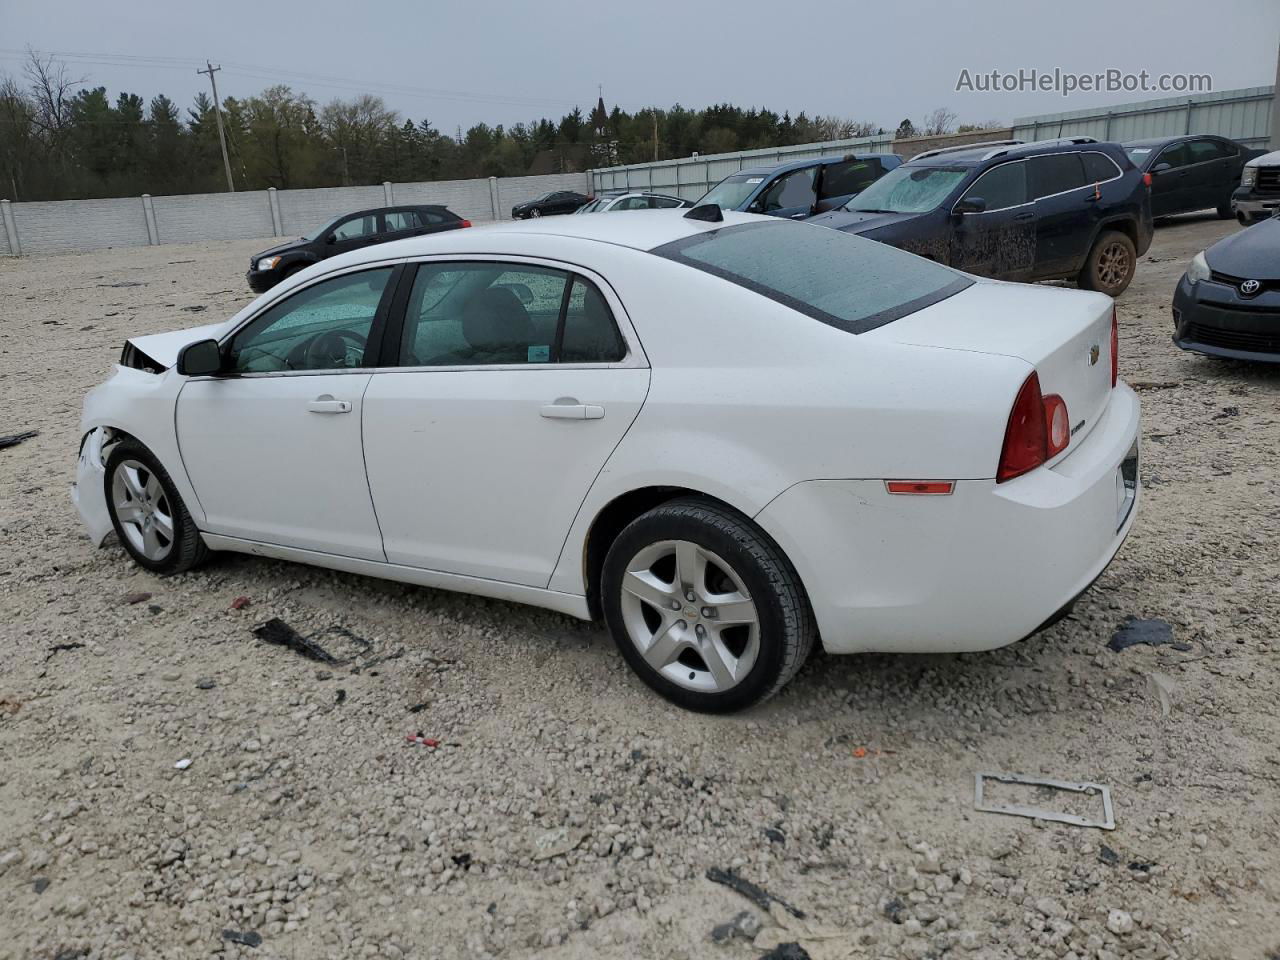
341	696
775	836
135	598
1108	856
557	842
860	753
418	707
278	632
239	603
1227	412
1154	633
420	739
9	706
205	683
1106	822
745	924
896	911
462	860
40	884
198	308
787	951
1161	687
182	764
124	283
173	263
59	647
13	439
757	895
248	938
1141	385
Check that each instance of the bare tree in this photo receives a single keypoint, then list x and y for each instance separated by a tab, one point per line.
52	88
938	122
832	127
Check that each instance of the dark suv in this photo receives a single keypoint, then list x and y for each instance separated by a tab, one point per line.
1056	209
351	231
800	188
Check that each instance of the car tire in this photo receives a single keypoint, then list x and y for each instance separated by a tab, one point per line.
535	212
1111	264
746	632
157	531
1224	211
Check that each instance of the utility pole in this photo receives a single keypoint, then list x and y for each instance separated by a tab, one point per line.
1275	108
655	134
217	112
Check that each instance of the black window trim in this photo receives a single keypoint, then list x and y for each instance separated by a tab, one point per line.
389	355
674	251
978	179
1084	186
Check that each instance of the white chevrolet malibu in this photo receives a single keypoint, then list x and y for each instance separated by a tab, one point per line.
728	437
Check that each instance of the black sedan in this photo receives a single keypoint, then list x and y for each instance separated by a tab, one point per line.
557	201
1190	173
351	231
1228	302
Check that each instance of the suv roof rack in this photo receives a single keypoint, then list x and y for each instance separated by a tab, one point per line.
967	146
1041	143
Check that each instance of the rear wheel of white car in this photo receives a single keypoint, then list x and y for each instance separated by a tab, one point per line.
148	514
1111	264
705	607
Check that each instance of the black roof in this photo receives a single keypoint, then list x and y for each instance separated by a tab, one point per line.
1161	141
965	157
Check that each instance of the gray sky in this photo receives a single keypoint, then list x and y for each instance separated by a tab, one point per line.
466	62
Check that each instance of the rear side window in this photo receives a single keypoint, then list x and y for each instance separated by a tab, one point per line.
1202	150
848	282
401	220
1099	167
1055	173
1002	186
849	176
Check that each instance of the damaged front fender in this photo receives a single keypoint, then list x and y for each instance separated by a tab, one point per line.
89	492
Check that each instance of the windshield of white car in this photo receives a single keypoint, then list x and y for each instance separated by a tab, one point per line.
731	192
908	189
848	282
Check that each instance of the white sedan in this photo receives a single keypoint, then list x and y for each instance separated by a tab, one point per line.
730	438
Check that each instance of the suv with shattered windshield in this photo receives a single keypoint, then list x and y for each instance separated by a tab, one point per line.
1071	209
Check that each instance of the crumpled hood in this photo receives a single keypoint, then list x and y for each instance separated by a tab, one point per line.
1253	253
163	347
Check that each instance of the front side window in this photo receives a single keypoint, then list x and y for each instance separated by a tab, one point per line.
357	227
1002	186
793	189
1175	155
483	314
322	327
849	282
908	189
1054	173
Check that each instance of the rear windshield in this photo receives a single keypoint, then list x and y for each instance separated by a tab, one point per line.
849	282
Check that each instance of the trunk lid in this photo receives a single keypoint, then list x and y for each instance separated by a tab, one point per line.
1064	334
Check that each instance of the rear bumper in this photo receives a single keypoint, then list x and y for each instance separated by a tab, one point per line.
979	569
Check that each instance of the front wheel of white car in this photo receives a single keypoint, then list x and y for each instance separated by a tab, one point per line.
704	607
148	514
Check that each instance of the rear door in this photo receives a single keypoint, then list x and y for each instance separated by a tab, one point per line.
999	241
515	381
1063	212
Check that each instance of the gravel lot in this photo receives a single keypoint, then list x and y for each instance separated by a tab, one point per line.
570	813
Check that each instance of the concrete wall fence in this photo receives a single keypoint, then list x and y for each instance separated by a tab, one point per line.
55	226
59	226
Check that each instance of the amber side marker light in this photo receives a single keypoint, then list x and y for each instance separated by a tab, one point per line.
928	488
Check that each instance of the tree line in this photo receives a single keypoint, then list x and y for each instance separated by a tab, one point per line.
61	139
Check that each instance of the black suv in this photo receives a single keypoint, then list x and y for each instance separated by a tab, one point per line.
1056	209
557	201
350	231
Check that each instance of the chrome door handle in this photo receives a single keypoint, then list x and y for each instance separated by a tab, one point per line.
570	409
326	404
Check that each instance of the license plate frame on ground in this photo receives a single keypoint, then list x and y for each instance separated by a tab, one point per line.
1108	821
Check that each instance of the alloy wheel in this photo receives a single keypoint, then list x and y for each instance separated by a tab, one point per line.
690	616
143	509
1113	264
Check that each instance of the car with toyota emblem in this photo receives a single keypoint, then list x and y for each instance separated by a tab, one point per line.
1227	304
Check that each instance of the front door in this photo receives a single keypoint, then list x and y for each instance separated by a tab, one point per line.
1171	180
273	447
790	195
516	383
1000	240
358	230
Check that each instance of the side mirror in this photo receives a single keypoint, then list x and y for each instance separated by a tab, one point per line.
1161	167
200	359
969	205
331	238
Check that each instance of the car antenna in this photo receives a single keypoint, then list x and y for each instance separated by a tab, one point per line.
710	212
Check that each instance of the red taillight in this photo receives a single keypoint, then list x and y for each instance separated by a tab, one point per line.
1115	348
1039	429
1146	179
465	223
